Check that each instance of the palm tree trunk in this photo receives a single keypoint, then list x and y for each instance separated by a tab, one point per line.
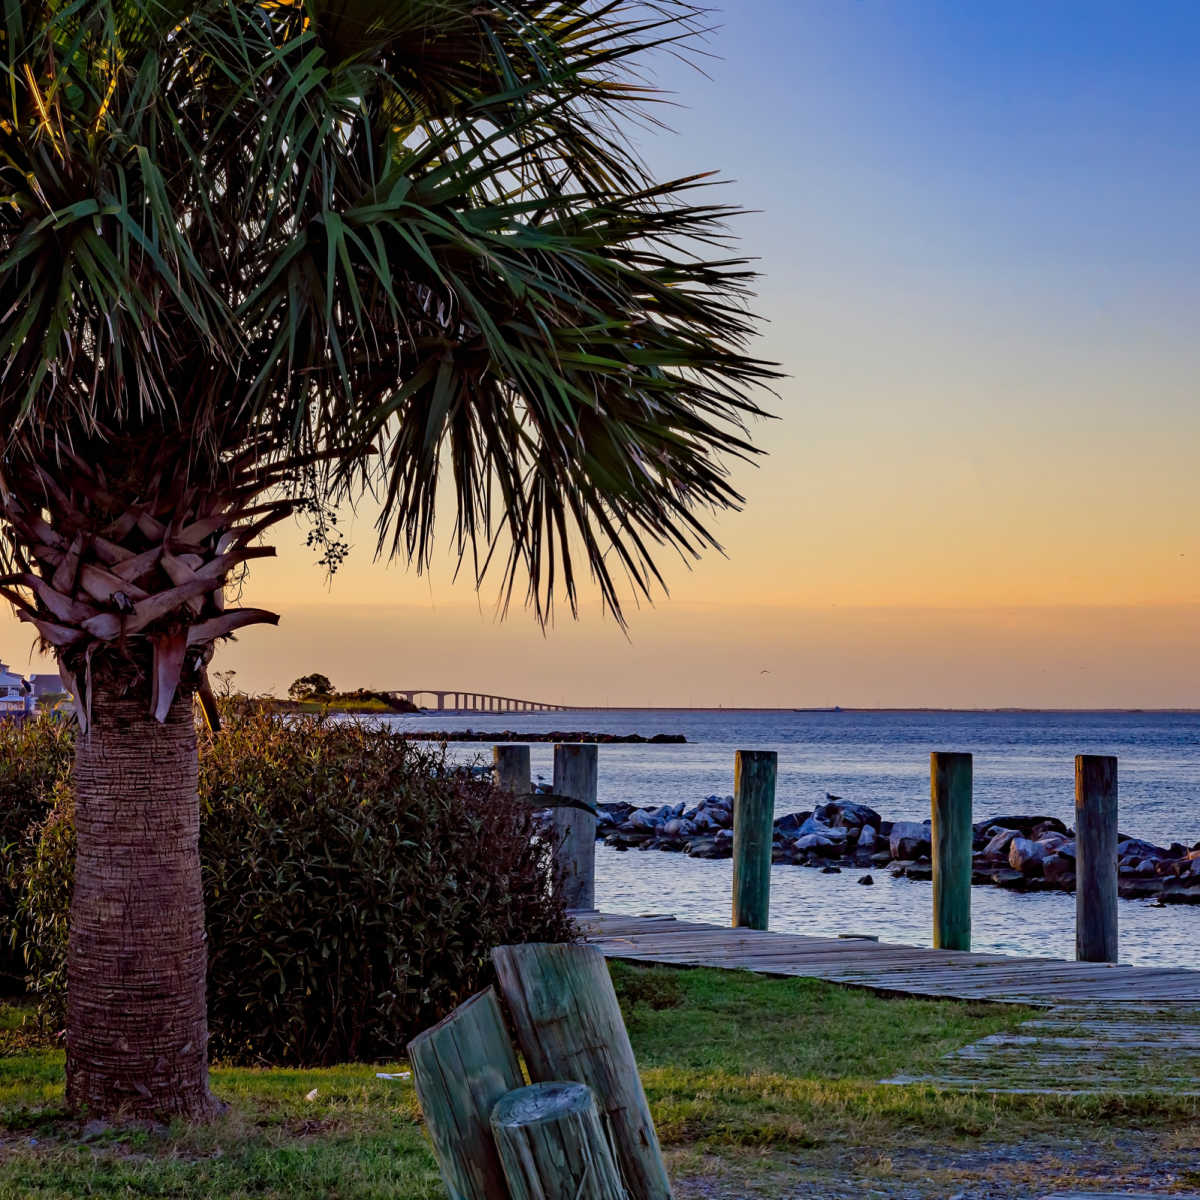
137	1028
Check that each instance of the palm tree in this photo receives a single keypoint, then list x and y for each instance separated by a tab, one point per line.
262	255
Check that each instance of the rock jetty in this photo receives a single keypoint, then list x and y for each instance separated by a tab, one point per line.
507	735
1021	853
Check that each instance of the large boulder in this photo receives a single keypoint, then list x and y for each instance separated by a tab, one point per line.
709	848
1136	848
848	814
1026	856
1059	870
910	839
640	822
815	843
1051	825
868	839
998	843
835	833
612	815
1029	827
1187	863
722	816
1132	866
791	823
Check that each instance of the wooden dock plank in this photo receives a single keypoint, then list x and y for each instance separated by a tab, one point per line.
886	966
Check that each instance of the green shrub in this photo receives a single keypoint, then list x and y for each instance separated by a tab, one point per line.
34	753
354	886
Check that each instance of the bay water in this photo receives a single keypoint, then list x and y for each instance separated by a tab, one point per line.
1024	764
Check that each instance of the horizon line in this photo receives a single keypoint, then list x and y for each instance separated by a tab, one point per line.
832	709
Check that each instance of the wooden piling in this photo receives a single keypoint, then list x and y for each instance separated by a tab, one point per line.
552	1145
461	1068
753	833
568	1024
511	769
951	840
1095	858
575	768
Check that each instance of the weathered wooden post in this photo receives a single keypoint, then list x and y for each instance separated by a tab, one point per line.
568	1024
461	1068
511	769
1095	858
552	1145
753	832
951	839
575	767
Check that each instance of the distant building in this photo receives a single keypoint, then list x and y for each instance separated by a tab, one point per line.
15	695
46	685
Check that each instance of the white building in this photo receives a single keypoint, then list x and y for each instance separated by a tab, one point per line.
15	696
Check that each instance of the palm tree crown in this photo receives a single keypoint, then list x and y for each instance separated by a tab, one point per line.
259	254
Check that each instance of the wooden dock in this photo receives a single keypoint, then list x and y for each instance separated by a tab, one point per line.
889	968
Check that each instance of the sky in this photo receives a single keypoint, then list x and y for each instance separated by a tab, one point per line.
978	232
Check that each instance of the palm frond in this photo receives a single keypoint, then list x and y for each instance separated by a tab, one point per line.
309	248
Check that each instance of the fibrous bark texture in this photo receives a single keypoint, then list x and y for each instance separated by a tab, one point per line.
137	1031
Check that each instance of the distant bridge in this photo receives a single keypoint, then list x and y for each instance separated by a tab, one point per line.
475	701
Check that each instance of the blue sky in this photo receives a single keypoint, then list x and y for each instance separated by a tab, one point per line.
1027	170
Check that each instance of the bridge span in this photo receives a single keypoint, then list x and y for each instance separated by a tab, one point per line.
475	701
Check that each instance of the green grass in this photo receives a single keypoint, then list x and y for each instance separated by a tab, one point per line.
734	1059
743	1073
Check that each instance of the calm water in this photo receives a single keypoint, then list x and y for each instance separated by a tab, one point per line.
1024	763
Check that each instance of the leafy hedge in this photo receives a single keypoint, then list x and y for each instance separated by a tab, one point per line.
34	754
354	886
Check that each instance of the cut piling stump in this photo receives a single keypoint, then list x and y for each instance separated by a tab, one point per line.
552	1145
